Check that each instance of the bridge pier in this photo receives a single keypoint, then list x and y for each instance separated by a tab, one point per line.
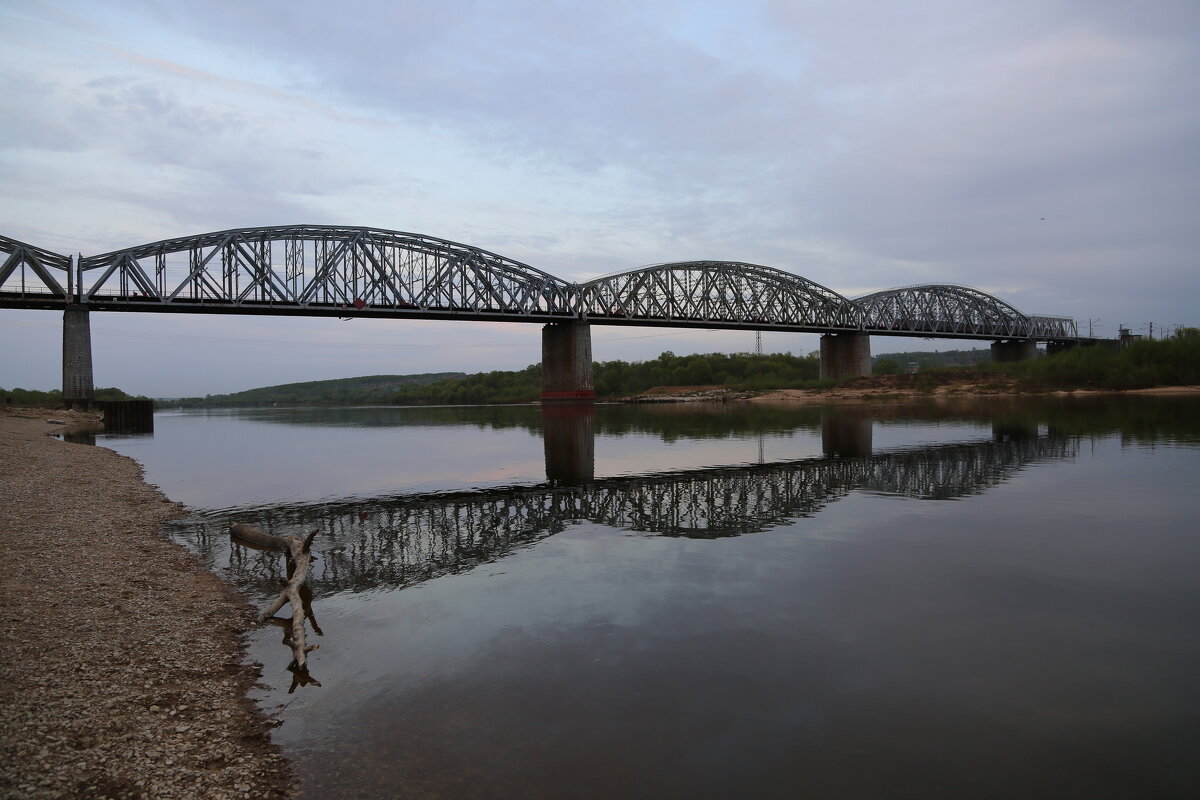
845	355
1053	348
569	441
567	363
1008	431
78	389
1014	350
846	434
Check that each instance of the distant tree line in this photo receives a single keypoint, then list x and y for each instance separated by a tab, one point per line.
896	363
622	378
363	391
1141	364
737	370
54	398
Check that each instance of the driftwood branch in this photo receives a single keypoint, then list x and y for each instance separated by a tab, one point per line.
294	591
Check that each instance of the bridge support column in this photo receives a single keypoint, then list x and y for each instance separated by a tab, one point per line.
567	363
1014	350
845	355
1008	431
569	440
1053	348
846	434
78	389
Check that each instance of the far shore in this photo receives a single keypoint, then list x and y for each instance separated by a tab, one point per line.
876	389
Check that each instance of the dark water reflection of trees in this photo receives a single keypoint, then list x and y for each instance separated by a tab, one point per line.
1138	417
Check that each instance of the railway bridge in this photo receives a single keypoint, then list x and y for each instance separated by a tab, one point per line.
335	271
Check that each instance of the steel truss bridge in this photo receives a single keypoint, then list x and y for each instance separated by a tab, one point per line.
399	541
317	270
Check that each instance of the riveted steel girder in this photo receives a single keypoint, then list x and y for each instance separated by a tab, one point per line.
30	272
370	272
949	310
316	269
716	294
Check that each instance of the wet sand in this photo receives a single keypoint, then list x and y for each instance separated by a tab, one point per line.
121	658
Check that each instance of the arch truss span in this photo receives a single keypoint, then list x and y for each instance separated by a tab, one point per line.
32	273
323	270
949	310
716	294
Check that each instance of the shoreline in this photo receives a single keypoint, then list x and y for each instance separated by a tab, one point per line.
872	390
123	672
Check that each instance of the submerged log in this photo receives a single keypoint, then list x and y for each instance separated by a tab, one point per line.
250	536
294	589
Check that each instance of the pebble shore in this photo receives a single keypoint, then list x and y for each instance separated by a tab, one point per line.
122	671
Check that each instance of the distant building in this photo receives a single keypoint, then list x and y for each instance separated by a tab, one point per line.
1126	335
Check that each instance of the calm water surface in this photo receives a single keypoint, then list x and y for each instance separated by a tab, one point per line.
990	600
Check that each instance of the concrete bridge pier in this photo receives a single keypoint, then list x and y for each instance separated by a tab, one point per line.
567	363
78	389
1009	431
1013	350
845	355
569	440
847	433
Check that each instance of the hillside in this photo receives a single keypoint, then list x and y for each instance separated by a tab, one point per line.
891	363
366	390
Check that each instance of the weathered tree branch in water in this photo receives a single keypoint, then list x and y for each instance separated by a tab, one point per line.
294	589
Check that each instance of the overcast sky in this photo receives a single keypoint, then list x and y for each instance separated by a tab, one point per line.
1048	152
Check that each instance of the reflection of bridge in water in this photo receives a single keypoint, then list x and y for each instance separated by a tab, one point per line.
399	541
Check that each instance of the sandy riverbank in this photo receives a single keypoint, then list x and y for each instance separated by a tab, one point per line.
120	656
877	388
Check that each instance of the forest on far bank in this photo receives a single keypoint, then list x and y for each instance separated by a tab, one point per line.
33	398
1141	364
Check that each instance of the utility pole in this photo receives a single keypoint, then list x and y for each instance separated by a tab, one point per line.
1151	330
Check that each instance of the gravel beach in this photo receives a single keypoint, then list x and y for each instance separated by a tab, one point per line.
121	660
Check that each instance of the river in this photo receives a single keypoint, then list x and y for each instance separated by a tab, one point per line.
961	599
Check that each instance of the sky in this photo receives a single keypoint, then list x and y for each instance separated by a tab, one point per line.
1046	151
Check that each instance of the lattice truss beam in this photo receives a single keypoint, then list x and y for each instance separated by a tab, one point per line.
325	267
949	309
29	270
401	541
716	292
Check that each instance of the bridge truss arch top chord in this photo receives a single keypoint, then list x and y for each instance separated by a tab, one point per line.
960	311
324	270
330	270
716	294
29	270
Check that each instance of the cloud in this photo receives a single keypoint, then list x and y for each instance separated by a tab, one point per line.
1043	150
